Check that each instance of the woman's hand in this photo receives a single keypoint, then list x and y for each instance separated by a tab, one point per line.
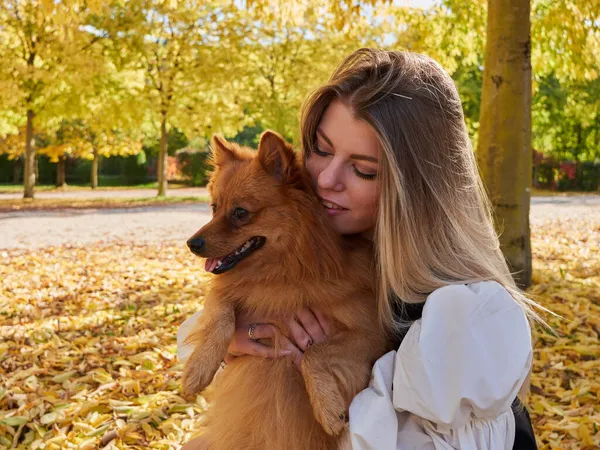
241	343
307	328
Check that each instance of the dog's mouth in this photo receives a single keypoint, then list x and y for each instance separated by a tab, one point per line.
222	265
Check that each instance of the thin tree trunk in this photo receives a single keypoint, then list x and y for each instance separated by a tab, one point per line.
60	172
162	157
504	150
30	160
94	174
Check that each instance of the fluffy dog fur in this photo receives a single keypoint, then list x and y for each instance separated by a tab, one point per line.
263	403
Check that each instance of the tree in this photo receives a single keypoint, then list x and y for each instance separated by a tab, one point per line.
70	140
283	56
42	38
112	116
182	50
504	149
13	145
564	47
566	119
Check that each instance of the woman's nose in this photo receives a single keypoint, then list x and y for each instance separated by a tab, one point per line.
330	178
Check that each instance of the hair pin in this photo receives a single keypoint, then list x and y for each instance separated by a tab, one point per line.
400	95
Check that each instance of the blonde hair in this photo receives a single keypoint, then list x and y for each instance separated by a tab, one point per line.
435	224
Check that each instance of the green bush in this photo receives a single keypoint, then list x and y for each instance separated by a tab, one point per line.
6	170
46	170
134	169
79	171
194	165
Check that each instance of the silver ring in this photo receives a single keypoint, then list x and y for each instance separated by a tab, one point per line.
251	331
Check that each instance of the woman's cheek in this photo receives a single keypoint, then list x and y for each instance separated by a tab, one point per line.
313	167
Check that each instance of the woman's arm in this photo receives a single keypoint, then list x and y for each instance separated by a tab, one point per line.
308	327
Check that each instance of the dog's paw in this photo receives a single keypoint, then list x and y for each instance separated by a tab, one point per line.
327	401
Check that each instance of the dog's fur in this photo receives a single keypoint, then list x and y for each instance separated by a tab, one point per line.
268	404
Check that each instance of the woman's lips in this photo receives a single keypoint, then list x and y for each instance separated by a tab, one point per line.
333	208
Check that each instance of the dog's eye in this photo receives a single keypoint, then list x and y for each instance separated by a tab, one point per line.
214	208
240	213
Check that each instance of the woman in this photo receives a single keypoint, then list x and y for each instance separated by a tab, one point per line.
386	145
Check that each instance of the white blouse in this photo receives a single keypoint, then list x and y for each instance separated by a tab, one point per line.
451	383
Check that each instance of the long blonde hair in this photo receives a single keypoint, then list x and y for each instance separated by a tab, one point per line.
435	222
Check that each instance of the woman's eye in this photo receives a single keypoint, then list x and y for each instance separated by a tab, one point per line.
320	152
240	213
364	176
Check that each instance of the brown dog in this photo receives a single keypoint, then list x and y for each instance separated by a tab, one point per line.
273	252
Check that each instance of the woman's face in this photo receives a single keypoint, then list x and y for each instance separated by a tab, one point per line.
344	170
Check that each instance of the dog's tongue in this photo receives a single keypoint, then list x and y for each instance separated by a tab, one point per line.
210	264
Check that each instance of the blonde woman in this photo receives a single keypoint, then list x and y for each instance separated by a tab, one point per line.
386	145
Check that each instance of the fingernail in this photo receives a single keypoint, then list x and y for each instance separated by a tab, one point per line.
285	352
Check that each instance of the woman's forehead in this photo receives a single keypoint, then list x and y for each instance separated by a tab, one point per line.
345	133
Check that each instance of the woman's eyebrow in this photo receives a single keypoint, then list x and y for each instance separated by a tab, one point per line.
324	136
364	158
354	155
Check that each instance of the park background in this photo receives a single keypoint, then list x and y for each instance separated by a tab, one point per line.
106	112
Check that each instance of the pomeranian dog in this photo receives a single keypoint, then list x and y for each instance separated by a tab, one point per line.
274	253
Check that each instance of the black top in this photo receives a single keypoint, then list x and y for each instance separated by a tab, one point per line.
524	437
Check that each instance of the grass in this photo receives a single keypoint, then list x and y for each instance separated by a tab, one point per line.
547	193
71	203
14	188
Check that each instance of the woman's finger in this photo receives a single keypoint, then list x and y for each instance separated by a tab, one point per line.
311	325
295	353
262	331
299	335
242	344
322	321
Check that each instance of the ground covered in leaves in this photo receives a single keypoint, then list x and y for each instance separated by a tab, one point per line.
88	340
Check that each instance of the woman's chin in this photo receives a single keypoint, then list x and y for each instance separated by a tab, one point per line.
341	225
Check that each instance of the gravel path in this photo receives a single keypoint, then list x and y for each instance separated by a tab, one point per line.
35	229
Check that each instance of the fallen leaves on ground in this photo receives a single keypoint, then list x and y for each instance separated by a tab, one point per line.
88	343
565	385
88	346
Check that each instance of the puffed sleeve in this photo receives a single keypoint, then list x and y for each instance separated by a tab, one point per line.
466	358
183	350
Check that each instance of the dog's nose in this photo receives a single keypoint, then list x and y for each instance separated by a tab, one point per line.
195	244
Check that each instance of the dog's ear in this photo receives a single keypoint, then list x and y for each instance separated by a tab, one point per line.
222	151
278	158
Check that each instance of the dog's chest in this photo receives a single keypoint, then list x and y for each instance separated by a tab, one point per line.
283	300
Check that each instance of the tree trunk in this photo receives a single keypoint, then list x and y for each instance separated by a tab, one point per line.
30	169
504	150
162	157
94	175
17	165
60	172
